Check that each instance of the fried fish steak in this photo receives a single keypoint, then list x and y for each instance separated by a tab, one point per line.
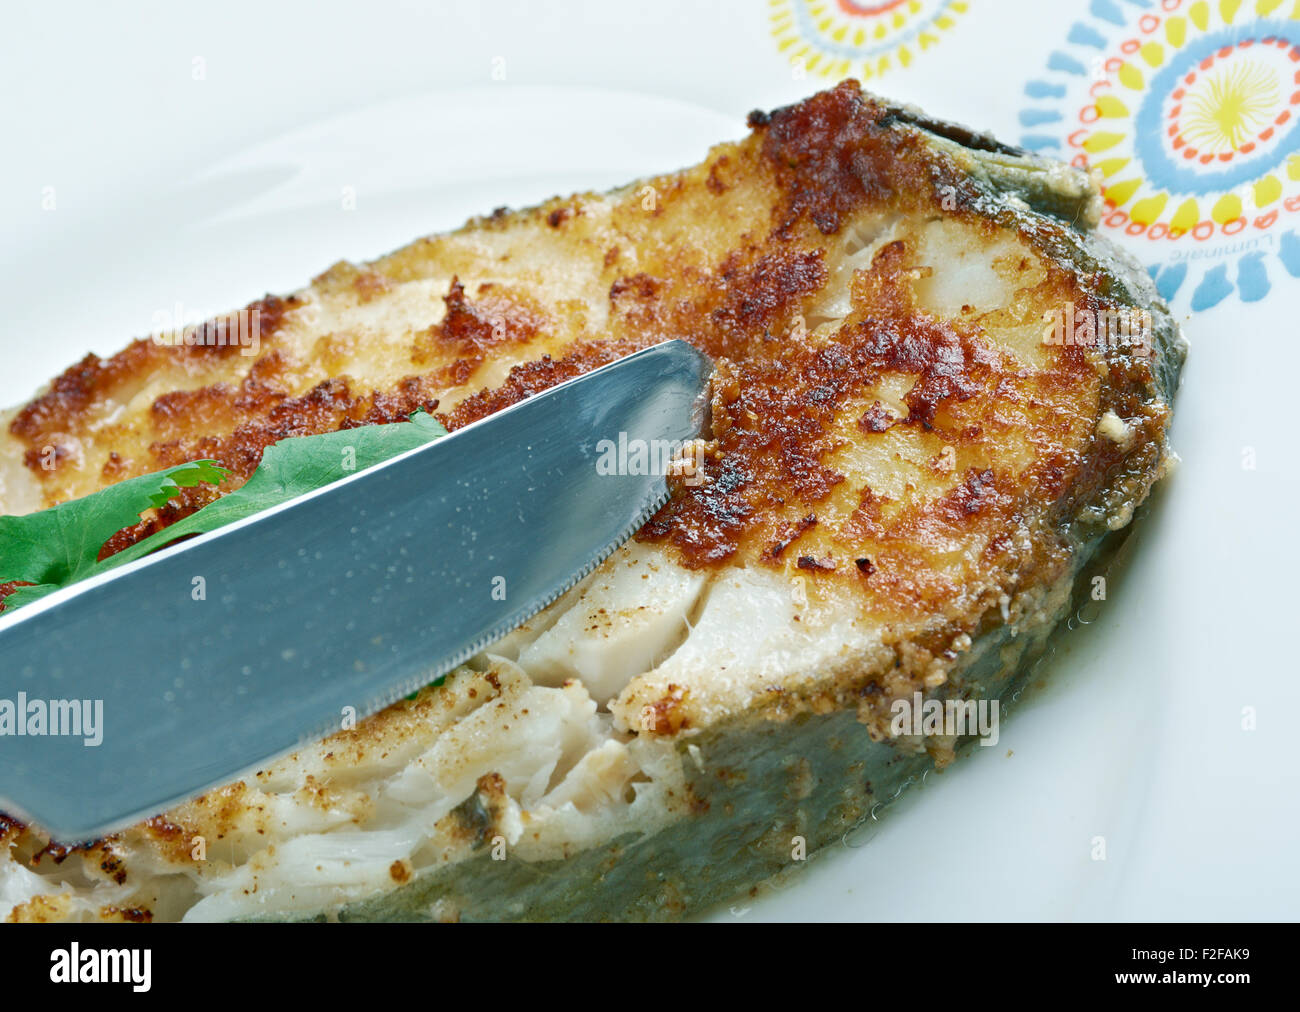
923	426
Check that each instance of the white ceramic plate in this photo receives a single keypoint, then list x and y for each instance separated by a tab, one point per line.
1136	738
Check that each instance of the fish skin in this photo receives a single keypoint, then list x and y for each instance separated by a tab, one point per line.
872	284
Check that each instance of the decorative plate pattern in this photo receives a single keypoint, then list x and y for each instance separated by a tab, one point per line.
1190	113
843	38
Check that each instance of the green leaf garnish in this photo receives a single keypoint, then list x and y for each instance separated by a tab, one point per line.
58	546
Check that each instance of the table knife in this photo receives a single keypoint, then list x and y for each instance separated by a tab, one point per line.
331	606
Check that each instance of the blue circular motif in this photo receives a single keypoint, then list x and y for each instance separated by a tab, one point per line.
1149	144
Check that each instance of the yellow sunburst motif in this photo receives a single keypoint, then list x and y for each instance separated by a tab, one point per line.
1232	107
1202	156
858	38
1188	111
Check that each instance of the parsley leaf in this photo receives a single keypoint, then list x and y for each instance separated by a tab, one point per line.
293	467
58	546
55	547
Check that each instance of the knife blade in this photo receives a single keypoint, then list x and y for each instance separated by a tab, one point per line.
329	607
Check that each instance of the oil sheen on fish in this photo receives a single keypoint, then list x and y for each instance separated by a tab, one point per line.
938	392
